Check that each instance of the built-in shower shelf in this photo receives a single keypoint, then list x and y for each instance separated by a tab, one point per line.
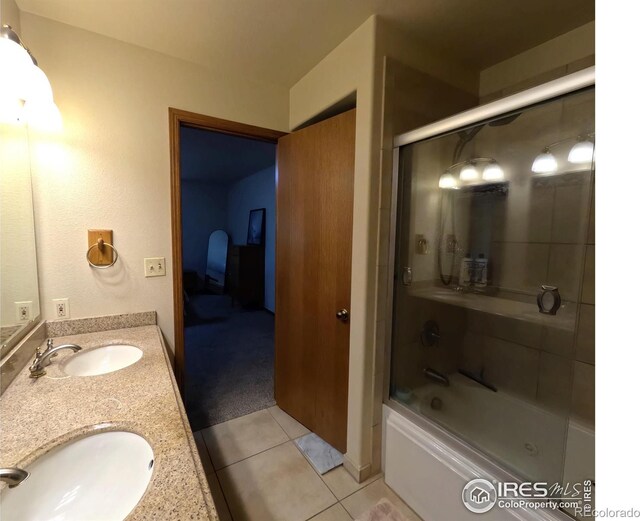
565	319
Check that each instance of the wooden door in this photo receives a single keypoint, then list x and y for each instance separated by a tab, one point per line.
313	274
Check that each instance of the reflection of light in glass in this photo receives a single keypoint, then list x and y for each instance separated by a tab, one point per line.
544	163
447	181
469	173
493	172
581	152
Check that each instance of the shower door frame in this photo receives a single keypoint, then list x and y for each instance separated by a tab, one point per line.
528	98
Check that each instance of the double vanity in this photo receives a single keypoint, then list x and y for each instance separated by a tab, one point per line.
102	433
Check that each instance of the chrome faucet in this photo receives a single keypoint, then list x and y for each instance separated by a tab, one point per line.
13	476
42	360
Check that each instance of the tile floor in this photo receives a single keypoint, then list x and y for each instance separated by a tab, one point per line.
256	473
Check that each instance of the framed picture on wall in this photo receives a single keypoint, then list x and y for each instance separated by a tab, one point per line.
255	234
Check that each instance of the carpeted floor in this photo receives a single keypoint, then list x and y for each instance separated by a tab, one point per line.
228	360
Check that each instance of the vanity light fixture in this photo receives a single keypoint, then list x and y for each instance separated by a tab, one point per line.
16	59
469	172
25	91
493	172
544	163
581	152
447	181
43	116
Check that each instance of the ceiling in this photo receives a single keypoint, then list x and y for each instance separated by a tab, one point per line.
279	41
221	158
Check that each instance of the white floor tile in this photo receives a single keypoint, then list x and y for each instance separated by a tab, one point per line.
278	484
358	503
237	439
291	426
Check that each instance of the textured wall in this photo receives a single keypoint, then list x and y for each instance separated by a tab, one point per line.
110	166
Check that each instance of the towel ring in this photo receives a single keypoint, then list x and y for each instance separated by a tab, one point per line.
100	245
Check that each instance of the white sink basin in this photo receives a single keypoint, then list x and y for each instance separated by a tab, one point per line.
101	360
100	477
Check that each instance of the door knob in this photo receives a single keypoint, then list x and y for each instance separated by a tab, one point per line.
343	315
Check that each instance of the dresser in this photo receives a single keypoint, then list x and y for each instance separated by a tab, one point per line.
245	275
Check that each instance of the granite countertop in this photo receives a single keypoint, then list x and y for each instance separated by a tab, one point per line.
39	414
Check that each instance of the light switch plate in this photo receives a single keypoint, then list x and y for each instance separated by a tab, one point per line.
154	267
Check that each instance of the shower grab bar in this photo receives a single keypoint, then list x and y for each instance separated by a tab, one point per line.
478	379
436	376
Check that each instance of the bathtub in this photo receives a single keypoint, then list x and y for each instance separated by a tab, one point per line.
428	466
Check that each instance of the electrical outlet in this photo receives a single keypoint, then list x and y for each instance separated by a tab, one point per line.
23	311
154	267
61	307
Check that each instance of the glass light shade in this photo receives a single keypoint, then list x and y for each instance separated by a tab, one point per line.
447	181
43	116
16	69
38	87
581	152
493	172
544	163
11	110
469	173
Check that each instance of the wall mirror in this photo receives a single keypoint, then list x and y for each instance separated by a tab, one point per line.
20	299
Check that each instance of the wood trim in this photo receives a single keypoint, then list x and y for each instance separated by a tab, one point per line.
194	120
178	118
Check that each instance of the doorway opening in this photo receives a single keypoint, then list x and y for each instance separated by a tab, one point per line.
223	218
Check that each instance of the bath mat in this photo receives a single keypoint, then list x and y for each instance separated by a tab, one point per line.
320	454
382	511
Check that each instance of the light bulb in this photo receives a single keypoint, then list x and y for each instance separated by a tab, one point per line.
43	116
447	181
16	69
11	110
544	163
493	172
469	173
38	86
581	152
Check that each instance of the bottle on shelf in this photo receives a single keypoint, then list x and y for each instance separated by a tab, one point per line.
480	271
466	271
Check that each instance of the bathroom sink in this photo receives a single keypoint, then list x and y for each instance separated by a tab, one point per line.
102	476
101	360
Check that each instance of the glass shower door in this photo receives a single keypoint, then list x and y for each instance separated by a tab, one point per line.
494	286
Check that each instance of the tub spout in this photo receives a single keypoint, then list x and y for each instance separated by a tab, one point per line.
436	376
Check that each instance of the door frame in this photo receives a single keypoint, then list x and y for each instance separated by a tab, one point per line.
178	118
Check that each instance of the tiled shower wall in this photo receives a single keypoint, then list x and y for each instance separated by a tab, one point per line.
530	359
